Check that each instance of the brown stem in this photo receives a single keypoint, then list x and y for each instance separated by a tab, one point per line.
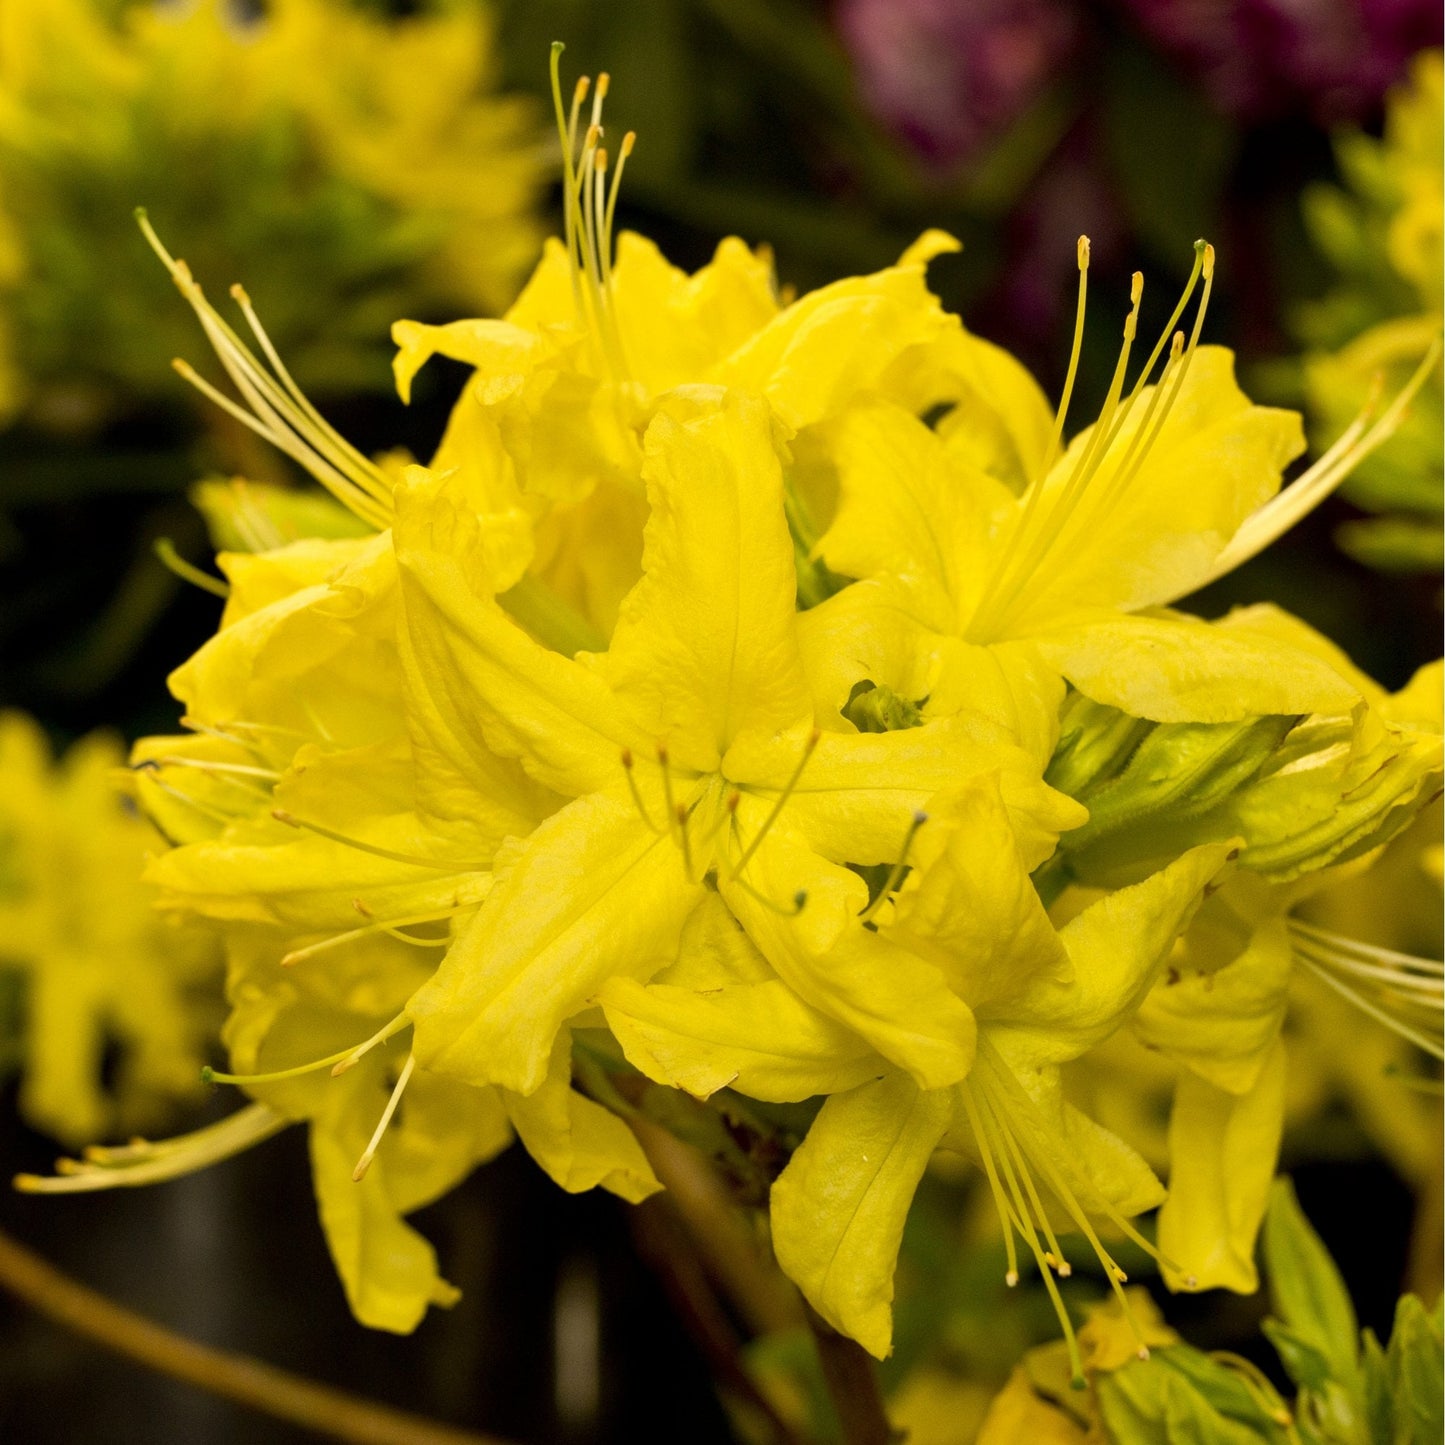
1426	1262
852	1384
762	1294
664	1242
235	1377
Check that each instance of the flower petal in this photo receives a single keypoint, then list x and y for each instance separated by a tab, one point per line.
706	643
593	893
839	1207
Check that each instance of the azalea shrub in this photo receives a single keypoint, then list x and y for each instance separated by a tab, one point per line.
770	723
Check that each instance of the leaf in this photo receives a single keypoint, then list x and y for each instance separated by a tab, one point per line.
1306	1287
1417	1375
1307	1366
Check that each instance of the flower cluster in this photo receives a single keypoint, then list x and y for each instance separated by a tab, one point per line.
761	700
301	137
86	965
1382	237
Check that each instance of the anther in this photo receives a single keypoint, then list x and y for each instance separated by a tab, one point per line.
1083	252
1011	1278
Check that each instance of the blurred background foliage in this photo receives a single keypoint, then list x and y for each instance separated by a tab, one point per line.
358	161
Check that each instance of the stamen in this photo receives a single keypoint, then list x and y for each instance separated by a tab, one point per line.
441	865
664	763
1296	501
799	903
1011	1278
369	1153
636	793
165	549
208	765
363	464
588	208
385	1032
895	874
298	432
682	817
1417	1036
208	810
814	737
1051	453
141	1163
391	926
1019	1218
628	142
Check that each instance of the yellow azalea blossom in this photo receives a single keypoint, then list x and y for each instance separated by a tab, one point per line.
1040	998
989	581
552	421
79	937
1222	1012
695	763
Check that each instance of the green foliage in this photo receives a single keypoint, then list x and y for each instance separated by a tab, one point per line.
1351	1391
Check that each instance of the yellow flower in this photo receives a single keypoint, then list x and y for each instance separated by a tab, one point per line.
697	767
987	581
1040	998
96	967
1222	1011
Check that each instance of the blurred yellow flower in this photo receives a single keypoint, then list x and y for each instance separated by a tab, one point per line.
96	968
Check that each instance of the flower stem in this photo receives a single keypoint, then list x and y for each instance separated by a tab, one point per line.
248	1382
852	1384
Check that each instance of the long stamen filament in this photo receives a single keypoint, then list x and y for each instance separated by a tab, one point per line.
386	1031
298	431
172	560
138	1164
780	803
1020	1218
389	925
1051	452
1410	1033
636	792
1293	503
895	874
990	1169
369	1153
441	865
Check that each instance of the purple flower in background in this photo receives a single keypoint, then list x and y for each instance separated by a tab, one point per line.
948	75
1333	59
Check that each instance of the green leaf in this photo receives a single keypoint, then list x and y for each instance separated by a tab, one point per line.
1182	1397
1379	1406
1306	1288
1417	1375
1307	1366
